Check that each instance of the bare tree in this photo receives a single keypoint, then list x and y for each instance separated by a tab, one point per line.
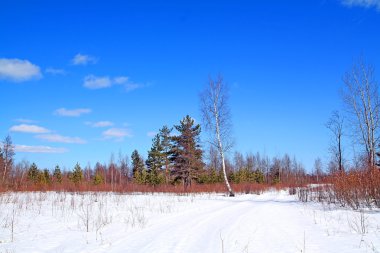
362	100
111	169
124	168
8	154
318	168
217	120
335	125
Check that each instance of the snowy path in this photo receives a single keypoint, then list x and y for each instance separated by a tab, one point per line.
271	222
268	223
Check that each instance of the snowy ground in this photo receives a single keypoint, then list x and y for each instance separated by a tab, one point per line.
271	222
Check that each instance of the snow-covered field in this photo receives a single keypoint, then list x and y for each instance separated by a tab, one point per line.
110	222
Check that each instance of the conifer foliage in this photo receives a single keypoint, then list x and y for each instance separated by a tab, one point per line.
33	173
166	145
155	161
187	152
57	174
77	175
138	168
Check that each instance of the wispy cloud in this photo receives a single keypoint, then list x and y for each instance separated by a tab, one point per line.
27	121
101	82
17	70
55	71
120	80
117	134
60	138
100	124
151	134
128	84
83	59
362	3
39	149
133	86
25	128
72	113
94	82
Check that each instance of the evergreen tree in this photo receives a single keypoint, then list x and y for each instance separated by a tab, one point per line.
187	152
258	176
155	161
137	165
57	174
166	145
46	176
33	173
77	175
98	179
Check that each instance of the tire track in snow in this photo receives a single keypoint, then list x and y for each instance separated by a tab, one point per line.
188	232
247	224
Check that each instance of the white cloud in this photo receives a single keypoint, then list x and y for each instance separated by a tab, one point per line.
120	79
82	59
100	124
60	138
71	113
25	128
39	149
133	86
54	71
18	70
362	3
117	134
151	134
27	121
93	82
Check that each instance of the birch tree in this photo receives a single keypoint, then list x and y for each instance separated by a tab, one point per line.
7	157
362	100
217	120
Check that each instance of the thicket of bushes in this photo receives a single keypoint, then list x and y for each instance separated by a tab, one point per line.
355	189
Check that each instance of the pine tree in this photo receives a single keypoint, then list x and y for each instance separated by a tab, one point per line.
137	166
166	145
46	176
187	152
57	174
155	161
33	173
77	175
98	179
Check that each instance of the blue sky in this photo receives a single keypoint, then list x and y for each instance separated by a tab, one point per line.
83	79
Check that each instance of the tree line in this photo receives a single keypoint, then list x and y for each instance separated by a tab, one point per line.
176	160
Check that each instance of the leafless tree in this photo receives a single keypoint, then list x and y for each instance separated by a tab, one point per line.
217	119
111	169
7	154
335	125
362	100
213	159
239	161
318	168
124	168
286	168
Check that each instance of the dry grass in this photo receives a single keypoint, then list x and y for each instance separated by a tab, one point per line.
68	186
354	189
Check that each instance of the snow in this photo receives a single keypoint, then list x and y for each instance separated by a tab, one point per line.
271	222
